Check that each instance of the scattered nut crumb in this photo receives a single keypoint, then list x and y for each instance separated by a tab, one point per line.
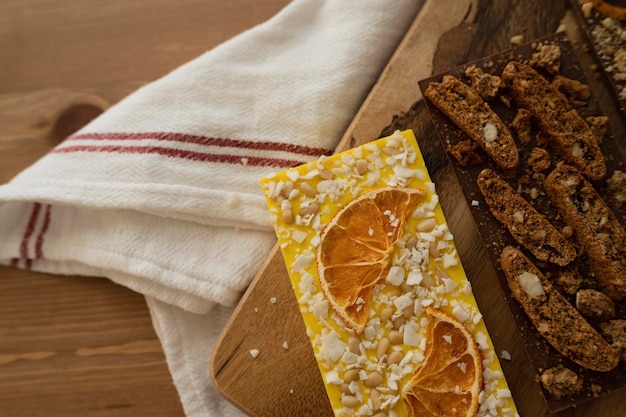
254	353
599	126
586	9
616	188
487	85
614	332
521	126
576	92
547	58
595	305
465	152
539	159
596	390
560	381
517	40
569	281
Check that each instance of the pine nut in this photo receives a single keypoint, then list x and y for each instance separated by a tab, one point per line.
351	375
374	379
362	166
310	209
433	250
307	189
287	189
427	280
396	337
394	357
411	243
390	151
287	216
326	174
354	343
383	346
345	388
441	273
399	322
350	401
408	312
375	397
427	225
394	293
386	314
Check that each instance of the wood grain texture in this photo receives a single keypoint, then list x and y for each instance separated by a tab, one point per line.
78	346
83	346
444	35
58	43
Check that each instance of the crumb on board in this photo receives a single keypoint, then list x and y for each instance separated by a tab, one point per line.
517	40
465	152
616	188
521	127
615	333
599	126
561	382
595	305
547	59
539	159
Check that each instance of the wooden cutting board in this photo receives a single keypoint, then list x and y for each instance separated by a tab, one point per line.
284	379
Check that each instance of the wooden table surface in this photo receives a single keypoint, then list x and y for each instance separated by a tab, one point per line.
83	346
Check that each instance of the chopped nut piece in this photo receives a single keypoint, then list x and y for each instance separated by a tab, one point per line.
614	332
616	187
561	382
487	85
517	40
576	92
465	152
547	58
569	281
595	305
521	126
599	126
539	159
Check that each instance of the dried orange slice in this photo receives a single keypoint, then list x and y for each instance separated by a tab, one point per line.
449	380
354	253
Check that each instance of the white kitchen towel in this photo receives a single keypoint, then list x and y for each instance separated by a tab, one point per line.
161	193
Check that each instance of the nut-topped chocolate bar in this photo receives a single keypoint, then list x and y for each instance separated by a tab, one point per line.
388	309
553	222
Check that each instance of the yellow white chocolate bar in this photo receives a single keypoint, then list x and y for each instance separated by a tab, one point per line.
301	201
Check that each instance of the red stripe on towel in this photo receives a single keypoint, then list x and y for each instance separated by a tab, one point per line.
30	227
42	233
209	141
183	154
